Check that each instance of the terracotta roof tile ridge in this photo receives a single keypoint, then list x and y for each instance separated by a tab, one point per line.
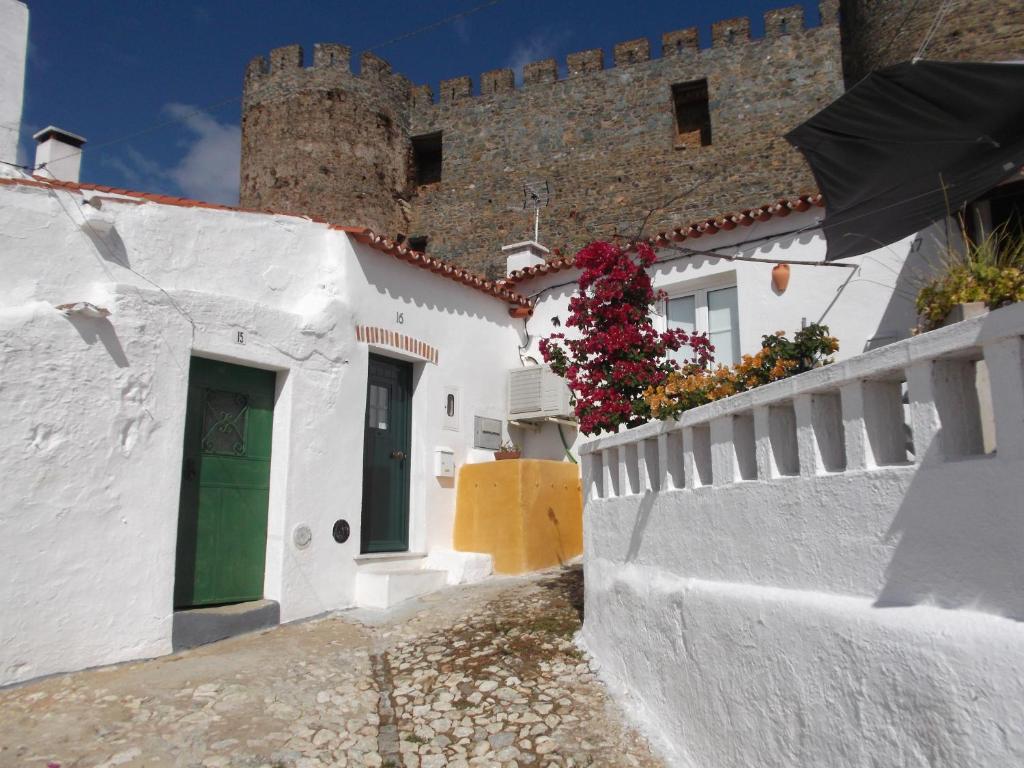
497	289
702	228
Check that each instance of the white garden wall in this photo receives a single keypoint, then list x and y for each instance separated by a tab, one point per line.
92	409
815	573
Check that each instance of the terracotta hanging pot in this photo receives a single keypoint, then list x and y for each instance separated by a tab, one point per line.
780	277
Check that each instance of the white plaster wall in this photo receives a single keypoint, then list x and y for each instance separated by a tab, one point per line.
476	346
869	616
872	302
866	306
93	411
745	675
13	50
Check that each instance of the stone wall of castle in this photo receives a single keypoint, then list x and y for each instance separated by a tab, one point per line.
877	33
325	142
606	140
604	136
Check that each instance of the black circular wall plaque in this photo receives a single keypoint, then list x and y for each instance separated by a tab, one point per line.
341	531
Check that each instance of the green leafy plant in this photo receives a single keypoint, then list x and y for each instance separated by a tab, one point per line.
990	270
779	357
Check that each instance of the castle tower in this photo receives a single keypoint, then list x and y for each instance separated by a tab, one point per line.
325	142
877	33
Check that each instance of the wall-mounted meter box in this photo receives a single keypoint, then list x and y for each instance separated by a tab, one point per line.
444	462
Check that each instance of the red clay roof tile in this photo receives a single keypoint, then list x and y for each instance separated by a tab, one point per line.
360	234
706	227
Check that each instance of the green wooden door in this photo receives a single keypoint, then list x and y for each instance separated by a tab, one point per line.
386	444
225	482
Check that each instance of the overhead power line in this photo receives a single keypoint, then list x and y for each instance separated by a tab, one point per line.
435	25
223	102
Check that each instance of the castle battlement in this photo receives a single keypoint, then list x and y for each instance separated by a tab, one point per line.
725	34
614	131
287	62
331	66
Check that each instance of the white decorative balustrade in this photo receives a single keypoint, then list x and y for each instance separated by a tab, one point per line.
922	400
827	570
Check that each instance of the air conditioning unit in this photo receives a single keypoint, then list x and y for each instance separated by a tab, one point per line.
536	394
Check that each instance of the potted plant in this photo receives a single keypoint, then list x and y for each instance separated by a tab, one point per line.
508	450
986	274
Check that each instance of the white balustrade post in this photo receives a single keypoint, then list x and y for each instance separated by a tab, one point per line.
625	481
663	461
610	467
766	469
1005	361
723	454
854	430
591	482
806	445
689	460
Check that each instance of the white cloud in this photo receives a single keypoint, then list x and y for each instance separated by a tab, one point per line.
209	170
461	28
541	44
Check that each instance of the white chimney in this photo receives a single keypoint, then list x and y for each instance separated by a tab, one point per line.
523	255
13	47
58	153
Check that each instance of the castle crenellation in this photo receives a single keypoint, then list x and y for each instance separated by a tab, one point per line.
638	136
680	42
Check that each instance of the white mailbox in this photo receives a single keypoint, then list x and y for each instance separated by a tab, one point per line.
444	462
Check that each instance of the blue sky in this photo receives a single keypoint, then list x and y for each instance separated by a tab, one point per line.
111	70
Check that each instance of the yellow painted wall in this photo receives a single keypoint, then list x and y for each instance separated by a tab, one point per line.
526	513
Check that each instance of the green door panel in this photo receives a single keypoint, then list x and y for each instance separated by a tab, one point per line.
222	520
387	429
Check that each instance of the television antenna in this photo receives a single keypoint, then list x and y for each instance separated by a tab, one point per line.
536	195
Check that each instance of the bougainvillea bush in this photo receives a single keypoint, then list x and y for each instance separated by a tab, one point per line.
616	352
779	358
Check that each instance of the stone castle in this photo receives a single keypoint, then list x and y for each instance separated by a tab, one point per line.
631	148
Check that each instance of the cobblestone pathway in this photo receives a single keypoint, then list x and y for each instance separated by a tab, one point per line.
485	675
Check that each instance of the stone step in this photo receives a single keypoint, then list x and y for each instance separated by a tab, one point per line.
382	588
198	626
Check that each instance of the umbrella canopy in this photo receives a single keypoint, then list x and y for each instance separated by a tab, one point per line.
910	144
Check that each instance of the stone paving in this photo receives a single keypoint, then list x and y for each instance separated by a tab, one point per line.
486	675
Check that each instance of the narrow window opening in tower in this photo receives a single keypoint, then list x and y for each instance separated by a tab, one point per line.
426	158
693	115
418	243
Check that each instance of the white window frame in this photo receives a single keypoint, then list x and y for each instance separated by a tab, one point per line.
699	289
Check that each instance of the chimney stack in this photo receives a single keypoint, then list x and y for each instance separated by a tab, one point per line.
522	255
58	153
13	47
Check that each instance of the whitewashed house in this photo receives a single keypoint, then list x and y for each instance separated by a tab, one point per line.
316	384
824	571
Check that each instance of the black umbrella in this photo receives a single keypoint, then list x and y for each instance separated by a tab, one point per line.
910	144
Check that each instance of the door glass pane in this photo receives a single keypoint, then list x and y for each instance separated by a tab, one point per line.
682	314
723	325
377	408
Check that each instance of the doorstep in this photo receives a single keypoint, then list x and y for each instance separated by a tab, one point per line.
192	627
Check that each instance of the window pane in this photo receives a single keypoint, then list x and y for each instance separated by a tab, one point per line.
377	408
682	314
723	325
